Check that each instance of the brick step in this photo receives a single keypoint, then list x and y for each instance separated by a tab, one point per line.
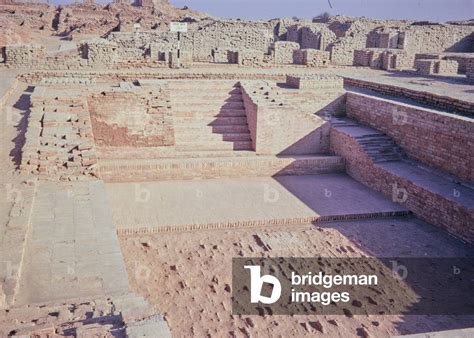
205	97
210	121
371	137
190	136
210	167
378	144
213	145
198	90
204	106
220	129
375	139
381	149
190	112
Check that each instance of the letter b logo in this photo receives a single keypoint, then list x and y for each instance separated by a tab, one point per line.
256	285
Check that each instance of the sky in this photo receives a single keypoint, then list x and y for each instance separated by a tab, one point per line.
423	10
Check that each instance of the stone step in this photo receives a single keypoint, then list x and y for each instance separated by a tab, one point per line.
212	167
189	136
214	145
189	112
211	121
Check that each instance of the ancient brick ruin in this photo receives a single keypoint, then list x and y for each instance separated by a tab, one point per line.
133	164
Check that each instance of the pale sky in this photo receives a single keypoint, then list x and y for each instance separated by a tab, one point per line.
431	10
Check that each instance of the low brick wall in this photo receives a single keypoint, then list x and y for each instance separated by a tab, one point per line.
425	204
430	99
436	139
190	169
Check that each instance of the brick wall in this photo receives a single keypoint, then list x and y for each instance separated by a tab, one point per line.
284	51
427	205
277	128
436	139
135	117
426	98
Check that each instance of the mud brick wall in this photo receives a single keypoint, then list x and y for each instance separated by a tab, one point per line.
447	67
284	51
185	59
427	205
369	57
23	55
427	98
252	58
317	81
461	58
397	59
101	52
276	128
436	66
315	58
425	67
138	117
439	38
439	140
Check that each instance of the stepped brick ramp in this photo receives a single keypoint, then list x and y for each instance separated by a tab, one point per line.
225	203
209	116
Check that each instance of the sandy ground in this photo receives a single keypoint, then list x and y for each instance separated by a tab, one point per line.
188	276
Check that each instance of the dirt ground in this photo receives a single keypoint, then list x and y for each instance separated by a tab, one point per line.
188	277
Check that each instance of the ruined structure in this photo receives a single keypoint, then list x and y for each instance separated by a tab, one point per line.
136	167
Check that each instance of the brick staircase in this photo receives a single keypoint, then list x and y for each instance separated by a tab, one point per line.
375	160
209	116
378	146
212	140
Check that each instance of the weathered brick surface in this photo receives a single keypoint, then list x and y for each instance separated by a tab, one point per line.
369	57
426	204
434	66
284	51
436	139
59	141
139	116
